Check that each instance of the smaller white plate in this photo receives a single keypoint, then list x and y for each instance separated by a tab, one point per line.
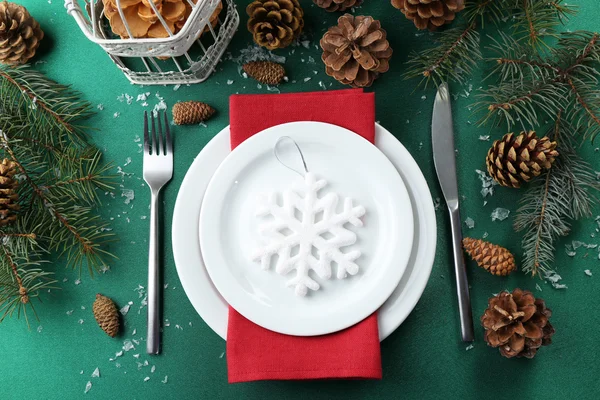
354	168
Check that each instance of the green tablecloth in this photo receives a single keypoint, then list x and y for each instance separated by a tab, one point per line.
424	358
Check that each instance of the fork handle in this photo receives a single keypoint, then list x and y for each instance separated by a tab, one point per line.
153	336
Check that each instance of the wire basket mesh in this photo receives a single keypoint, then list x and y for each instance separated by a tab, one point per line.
186	56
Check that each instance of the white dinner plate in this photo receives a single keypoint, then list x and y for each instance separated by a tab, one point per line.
354	168
205	298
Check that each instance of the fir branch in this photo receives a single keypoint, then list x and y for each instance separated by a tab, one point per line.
536	20
480	11
453	59
564	193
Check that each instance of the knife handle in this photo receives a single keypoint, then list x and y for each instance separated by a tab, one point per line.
460	271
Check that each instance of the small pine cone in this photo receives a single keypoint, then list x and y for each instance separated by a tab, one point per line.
191	112
107	315
20	34
517	323
275	24
429	14
9	199
356	51
513	160
266	72
337	5
493	258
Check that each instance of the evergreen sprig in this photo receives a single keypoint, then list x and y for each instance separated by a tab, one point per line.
59	172
566	192
454	58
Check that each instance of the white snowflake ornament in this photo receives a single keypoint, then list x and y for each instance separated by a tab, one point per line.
307	233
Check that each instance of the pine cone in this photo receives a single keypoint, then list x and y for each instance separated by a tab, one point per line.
337	5
493	258
266	72
274	24
143	21
517	323
8	192
429	14
356	51
191	112
513	160
106	314
20	34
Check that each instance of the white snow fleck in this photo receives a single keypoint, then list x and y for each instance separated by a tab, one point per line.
166	379
100	106
136	355
125	308
176	88
470	347
39	329
70	312
484	138
88	386
146	379
554	279
470	223
230	81
588	272
127	161
305	43
119	353
153	369
143	96
222	354
96	373
500	214
423	97
128	194
78	281
81	372
308	78
80	322
128	345
487	183
159	107
134	332
116	115
167	323
538	287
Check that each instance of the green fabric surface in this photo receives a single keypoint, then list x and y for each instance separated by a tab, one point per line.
423	359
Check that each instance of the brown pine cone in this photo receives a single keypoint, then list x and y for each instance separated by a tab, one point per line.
493	258
191	112
356	51
337	5
266	72
517	323
9	199
106	314
20	34
275	24
513	160
429	14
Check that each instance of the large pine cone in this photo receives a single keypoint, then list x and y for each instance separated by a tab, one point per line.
491	257
275	24
9	199
513	160
337	5
517	323
429	14
356	51
20	34
106	314
266	72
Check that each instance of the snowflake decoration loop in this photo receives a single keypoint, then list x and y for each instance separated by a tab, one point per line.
307	233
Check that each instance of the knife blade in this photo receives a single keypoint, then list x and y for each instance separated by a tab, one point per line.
444	159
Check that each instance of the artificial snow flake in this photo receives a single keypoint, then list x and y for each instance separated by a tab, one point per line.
88	386
470	223
588	272
300	242
96	373
500	214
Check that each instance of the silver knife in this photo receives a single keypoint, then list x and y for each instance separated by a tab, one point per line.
445	165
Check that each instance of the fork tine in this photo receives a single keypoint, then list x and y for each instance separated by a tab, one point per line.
153	149
160	150
168	141
146	138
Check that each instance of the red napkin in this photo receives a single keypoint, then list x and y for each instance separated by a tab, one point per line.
255	353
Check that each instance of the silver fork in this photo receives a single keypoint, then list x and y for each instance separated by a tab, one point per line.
158	170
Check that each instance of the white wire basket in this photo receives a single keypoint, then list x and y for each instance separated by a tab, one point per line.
188	56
